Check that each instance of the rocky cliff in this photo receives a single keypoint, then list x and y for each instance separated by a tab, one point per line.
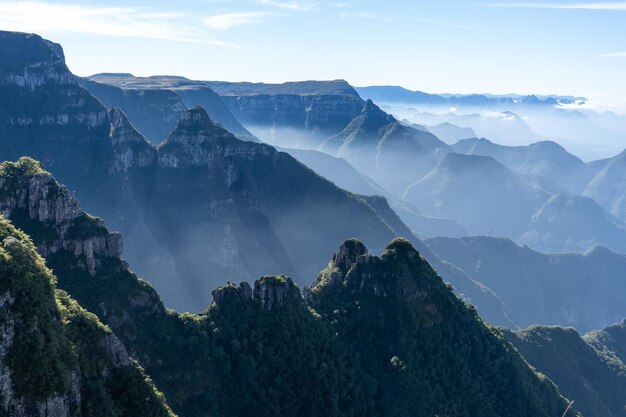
56	359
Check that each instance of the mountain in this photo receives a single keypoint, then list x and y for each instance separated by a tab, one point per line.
395	155
608	187
586	291
396	317
586	369
487	198
479	193
345	176
450	133
395	94
153	113
154	104
57	359
547	159
292	115
266	349
202	201
574	223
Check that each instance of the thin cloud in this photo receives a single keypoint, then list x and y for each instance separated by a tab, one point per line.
290	5
614	55
231	20
614	6
46	17
365	15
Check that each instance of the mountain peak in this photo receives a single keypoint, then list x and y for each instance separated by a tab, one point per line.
348	253
193	139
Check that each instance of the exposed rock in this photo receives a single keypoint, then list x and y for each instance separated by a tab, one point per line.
27	193
348	253
231	294
275	291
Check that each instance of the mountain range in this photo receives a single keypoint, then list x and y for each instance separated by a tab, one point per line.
180	169
271	349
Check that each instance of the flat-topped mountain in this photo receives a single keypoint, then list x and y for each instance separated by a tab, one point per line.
154	107
396	94
333	87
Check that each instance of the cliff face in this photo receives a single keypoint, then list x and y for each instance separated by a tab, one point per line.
56	359
154	104
320	114
43	107
154	113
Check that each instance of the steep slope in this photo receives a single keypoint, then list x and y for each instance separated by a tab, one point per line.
56	359
574	223
345	176
242	354
479	193
547	159
450	133
608	187
248	209
262	350
584	291
154	113
41	106
161	90
204	201
417	348
578	365
487	198
395	155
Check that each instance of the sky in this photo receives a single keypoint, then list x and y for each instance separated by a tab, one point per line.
552	47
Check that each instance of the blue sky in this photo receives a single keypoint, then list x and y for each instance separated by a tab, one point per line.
564	47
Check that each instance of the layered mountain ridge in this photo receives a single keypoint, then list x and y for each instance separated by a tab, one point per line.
248	335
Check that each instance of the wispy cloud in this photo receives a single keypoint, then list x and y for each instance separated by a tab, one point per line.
290	5
47	17
616	6
614	55
365	15
444	24
231	20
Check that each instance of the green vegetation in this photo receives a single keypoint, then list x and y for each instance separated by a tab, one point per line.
417	348
381	336
55	340
585	369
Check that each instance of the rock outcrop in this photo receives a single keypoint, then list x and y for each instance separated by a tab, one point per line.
29	194
56	359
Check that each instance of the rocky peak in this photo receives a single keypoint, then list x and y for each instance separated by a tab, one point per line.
130	148
195	127
27	60
347	254
29	194
270	292
232	294
275	291
195	141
